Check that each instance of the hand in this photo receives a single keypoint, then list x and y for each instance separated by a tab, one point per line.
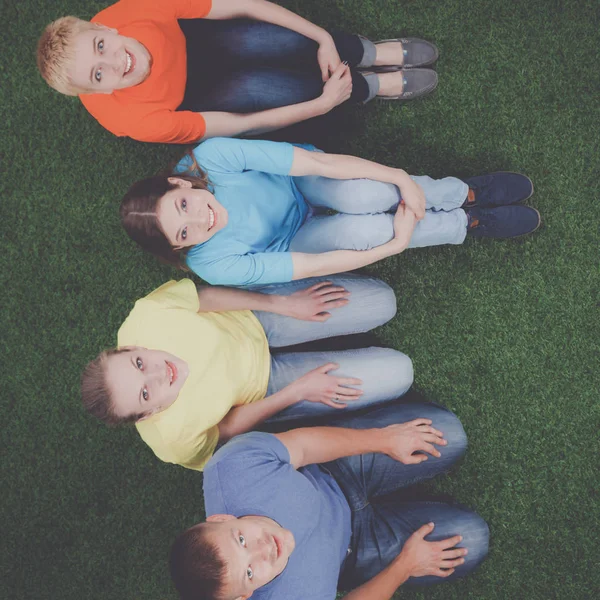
402	440
413	197
404	225
338	87
317	386
431	558
313	303
328	57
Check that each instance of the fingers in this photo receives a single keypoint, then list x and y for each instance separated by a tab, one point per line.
450	542
430	449
415	459
457	553
330	295
349	381
442	573
345	393
328	367
317	286
324	72
320	317
339	72
334	404
434	439
424	530
417	422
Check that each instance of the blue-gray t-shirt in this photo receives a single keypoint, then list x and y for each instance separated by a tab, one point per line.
252	475
250	178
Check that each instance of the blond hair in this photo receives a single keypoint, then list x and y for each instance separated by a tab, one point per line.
56	53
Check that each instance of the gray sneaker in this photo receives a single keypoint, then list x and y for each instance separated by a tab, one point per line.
417	52
417	83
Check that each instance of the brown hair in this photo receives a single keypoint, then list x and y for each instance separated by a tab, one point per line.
56	53
138	211
197	566
95	393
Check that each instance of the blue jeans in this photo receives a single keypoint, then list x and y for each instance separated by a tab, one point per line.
381	520
386	373
365	216
242	66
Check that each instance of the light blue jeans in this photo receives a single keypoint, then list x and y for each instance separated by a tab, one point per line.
365	216
386	374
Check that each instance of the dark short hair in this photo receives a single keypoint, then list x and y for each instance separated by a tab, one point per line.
197	567
95	393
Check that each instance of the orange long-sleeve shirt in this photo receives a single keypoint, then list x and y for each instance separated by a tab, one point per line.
147	112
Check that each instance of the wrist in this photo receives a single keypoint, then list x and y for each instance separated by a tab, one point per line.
323	37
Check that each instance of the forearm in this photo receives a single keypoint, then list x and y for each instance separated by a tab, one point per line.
384	585
261	10
241	419
315	445
340	261
234	124
222	299
340	166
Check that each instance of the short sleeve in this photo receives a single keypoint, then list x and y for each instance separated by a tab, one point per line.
192	449
230	155
177	9
251	462
166	126
176	294
248	269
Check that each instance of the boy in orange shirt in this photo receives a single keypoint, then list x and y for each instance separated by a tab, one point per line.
181	70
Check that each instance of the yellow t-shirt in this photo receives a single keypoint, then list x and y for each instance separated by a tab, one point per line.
229	364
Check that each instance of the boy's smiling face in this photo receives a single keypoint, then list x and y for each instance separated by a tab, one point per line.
106	61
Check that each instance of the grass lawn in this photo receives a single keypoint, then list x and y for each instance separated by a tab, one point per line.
506	334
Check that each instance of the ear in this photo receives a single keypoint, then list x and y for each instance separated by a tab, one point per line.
219	518
182	183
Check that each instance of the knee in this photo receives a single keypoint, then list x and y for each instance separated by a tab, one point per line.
382	302
476	539
399	368
454	433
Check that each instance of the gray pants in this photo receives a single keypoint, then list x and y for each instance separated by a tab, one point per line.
386	373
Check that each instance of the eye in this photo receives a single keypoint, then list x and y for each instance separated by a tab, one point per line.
249	572
242	540
145	395
184	233
183	204
100	45
139	363
98	75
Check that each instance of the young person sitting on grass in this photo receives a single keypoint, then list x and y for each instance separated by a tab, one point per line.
182	70
253	212
308	512
193	366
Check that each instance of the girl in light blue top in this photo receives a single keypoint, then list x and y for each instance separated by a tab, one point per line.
257	213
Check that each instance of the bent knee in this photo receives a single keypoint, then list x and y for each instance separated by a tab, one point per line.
382	302
476	538
454	433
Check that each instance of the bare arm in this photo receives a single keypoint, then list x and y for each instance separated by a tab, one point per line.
316	386
337	89
314	445
340	261
340	166
310	304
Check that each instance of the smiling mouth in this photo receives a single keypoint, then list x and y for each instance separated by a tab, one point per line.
171	372
129	63
212	218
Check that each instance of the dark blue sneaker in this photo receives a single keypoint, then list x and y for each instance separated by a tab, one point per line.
498	189
502	221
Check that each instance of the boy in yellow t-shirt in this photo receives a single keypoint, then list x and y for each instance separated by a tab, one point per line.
193	366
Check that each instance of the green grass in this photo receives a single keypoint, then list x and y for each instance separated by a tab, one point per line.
505	334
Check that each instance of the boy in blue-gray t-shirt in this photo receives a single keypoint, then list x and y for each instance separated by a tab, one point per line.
298	515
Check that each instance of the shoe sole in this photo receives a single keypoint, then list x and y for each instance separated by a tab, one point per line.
425	64
510	173
416	97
